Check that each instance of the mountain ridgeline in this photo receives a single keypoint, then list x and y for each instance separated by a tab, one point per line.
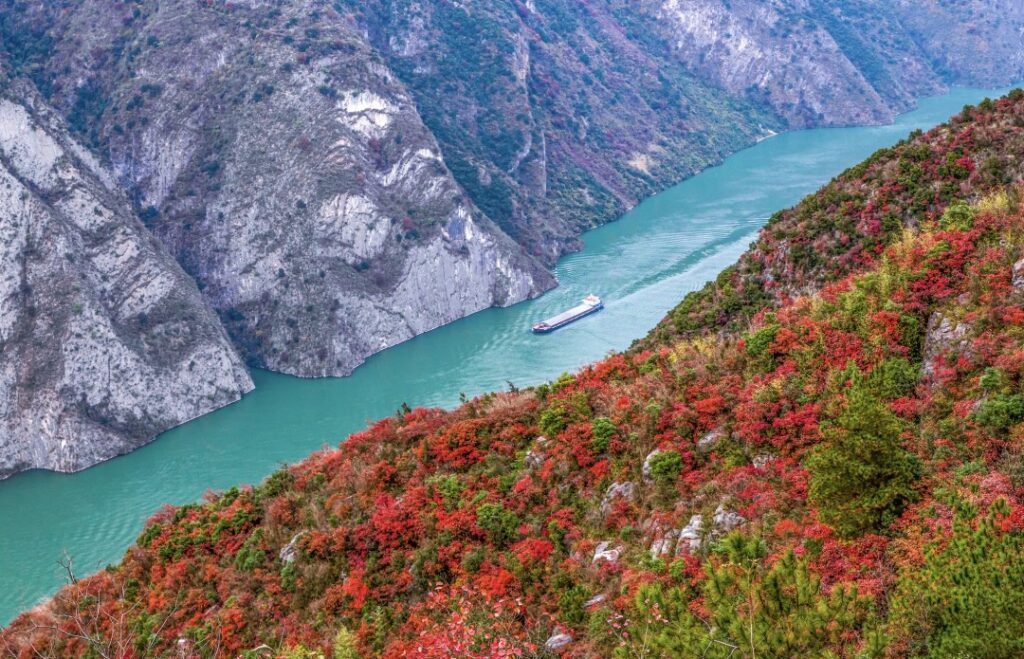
817	455
334	178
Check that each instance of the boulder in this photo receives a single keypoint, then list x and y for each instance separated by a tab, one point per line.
626	490
726	520
557	642
663	545
941	335
690	537
290	551
605	552
535	456
710	439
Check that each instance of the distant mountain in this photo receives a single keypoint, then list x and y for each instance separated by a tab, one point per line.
338	177
818	455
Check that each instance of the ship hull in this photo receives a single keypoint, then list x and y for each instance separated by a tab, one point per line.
547	329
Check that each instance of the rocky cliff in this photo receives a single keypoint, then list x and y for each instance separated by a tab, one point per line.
336	177
104	340
289	172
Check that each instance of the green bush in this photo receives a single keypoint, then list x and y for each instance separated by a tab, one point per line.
759	342
959	216
967	600
666	466
552	421
344	645
1000	412
755	609
570	605
602	429
450	488
250	555
893	378
502	525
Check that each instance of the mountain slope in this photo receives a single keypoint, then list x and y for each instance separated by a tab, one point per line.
832	476
104	341
845	225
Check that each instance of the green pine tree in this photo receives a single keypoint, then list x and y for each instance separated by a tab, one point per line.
967	600
756	610
862	477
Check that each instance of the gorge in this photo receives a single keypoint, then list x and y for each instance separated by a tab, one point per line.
323	180
642	265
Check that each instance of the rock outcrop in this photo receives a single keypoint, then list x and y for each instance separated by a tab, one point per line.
942	334
104	340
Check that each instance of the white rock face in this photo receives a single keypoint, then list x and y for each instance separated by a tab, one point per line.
290	551
1018	275
321	222
785	51
104	340
709	440
726	520
662	546
605	552
690	537
942	334
626	490
557	642
534	458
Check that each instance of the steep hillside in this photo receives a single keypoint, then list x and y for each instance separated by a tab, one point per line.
847	224
556	116
104	341
836	63
841	475
337	177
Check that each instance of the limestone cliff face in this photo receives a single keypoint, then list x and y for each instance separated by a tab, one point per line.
839	63
556	116
104	340
289	172
338	177
969	42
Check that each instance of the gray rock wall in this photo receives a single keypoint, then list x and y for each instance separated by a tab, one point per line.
104	341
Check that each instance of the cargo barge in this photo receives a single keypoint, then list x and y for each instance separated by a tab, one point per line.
590	304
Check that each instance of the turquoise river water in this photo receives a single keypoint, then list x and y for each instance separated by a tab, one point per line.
641	265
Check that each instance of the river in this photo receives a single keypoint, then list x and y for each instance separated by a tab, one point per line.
642	265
